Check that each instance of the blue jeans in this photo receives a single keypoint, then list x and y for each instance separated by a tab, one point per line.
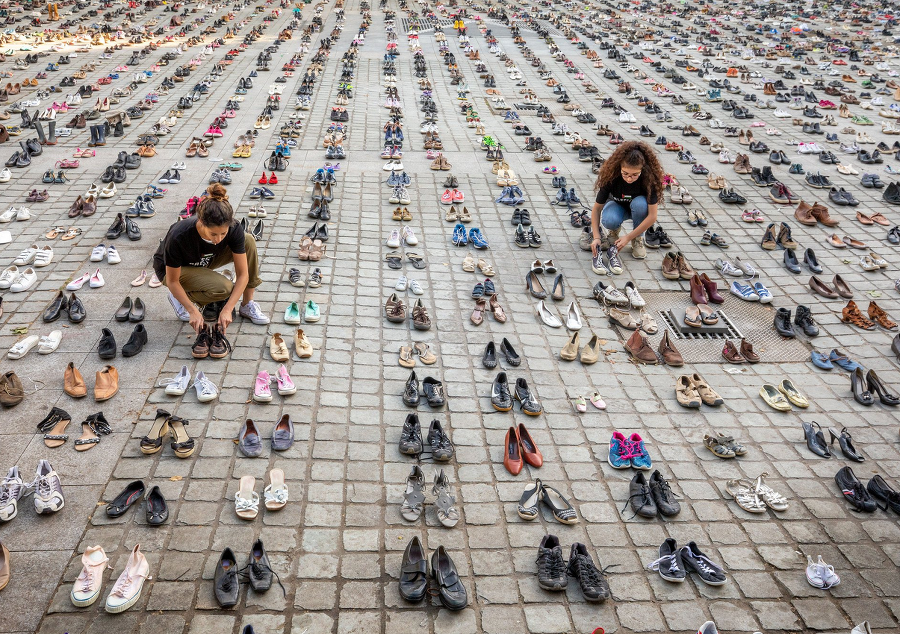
614	214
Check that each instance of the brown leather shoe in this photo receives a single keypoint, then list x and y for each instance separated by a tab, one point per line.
512	452
821	288
640	349
820	213
841	288
803	214
670	267
852	315
421	320
698	293
11	390
73	382
747	352
395	309
731	354
877	314
712	291
107	384
669	354
685	271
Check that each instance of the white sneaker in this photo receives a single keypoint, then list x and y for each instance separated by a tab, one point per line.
821	575
415	288
128	587
253	312
98	253
112	255
23	213
401	283
180	311
48	495
408	236
393	240
24	281
177	385
5	175
9	215
44	256
87	586
634	297
206	389
26	256
12	489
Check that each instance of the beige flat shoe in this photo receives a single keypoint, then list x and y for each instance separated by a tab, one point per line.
426	356
302	345
569	351
278	349
590	354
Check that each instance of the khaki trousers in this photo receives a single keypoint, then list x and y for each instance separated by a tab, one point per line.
204	286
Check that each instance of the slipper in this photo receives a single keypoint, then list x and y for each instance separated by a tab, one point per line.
415	260
580	404
72	233
393	260
21	348
140	279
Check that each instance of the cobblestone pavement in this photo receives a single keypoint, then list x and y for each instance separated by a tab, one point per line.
337	546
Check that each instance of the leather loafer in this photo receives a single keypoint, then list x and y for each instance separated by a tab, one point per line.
283	434
414	572
248	440
77	313
451	590
226	586
124	310
56	307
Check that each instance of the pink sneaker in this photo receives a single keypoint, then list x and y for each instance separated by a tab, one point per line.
458	196
446	197
285	384
87	587
261	392
128	587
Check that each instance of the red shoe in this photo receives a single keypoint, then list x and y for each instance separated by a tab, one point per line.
263	180
273	180
458	196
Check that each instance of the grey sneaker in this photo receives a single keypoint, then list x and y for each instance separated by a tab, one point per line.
668	564
441	447
598	266
48	495
12	489
411	436
551	567
615	264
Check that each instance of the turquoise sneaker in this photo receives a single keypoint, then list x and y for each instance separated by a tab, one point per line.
617	451
311	313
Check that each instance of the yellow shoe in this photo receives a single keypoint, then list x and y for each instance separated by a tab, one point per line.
793	395
774	398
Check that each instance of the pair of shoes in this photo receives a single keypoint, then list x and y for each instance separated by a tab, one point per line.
414	498
692	390
756	497
649	499
414	576
156	508
628	452
127	589
136	342
246	500
780	398
46	487
250	442
538	492
502	398
164	424
441	448
519	448
675	564
553	571
227	585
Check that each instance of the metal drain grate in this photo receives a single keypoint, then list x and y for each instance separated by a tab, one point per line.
730	330
750	320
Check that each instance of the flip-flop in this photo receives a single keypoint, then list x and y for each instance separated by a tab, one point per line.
54	233
393	260
72	233
415	260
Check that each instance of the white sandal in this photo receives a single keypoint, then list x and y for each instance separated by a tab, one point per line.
769	496
246	500
743	493
276	493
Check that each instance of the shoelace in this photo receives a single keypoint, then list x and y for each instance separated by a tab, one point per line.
206	386
583	568
630	449
671	562
256	570
554	562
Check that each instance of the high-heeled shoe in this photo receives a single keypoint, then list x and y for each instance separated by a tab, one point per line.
846	443
815	440
875	384
533	285
860	390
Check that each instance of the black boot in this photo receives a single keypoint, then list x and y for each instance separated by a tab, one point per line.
119	130
803	318
40	132
93	141
51	128
101	134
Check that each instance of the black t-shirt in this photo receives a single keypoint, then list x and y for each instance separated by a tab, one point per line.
183	246
623	193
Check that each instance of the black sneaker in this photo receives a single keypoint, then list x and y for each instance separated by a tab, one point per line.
581	566
651	239
854	492
668	565
441	447
411	436
662	494
551	567
640	496
692	560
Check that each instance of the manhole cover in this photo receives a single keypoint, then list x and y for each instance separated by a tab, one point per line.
750	319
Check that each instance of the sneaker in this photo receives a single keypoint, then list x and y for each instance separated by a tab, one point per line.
615	264
634	297
744	291
178	385
87	587
12	489
180	311
668	564
311	312
598	266
206	389
640	459
692	560
127	590
821	575
618	455
262	393
551	567
581	566
253	312
48	495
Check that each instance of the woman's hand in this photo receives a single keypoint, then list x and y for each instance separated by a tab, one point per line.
595	246
622	242
196	319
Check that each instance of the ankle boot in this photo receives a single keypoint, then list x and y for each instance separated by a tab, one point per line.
119	129
40	132
51	130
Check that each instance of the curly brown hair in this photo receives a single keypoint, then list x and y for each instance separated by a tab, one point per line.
636	154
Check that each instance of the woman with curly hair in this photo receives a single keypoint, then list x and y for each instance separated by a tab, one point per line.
629	185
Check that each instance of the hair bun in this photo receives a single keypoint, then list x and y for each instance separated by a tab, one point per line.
217	192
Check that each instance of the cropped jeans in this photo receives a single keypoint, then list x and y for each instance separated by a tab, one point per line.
614	214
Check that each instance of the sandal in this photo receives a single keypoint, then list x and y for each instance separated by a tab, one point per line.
393	260
54	233
426	356
406	358
305	246
91	430
53	427
276	493
182	443
484	267
153	441
769	496
447	513
718	446
414	496
468	264
527	507
416	260
316	251
743	493
246	500
72	233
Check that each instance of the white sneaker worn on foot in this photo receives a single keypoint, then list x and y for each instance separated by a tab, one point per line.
253	312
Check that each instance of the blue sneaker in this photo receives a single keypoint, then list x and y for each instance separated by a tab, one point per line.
820	360
744	291
640	459
765	297
842	361
459	236
394	179
617	452
477	239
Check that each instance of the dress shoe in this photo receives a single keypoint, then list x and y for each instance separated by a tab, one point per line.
451	591
414	572
136	341
106	384
640	349
77	313
512	457
107	346
226	586
56	307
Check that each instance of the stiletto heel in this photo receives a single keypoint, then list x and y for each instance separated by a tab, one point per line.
815	440
874	383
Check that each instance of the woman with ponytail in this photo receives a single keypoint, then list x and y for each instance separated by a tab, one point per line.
191	251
